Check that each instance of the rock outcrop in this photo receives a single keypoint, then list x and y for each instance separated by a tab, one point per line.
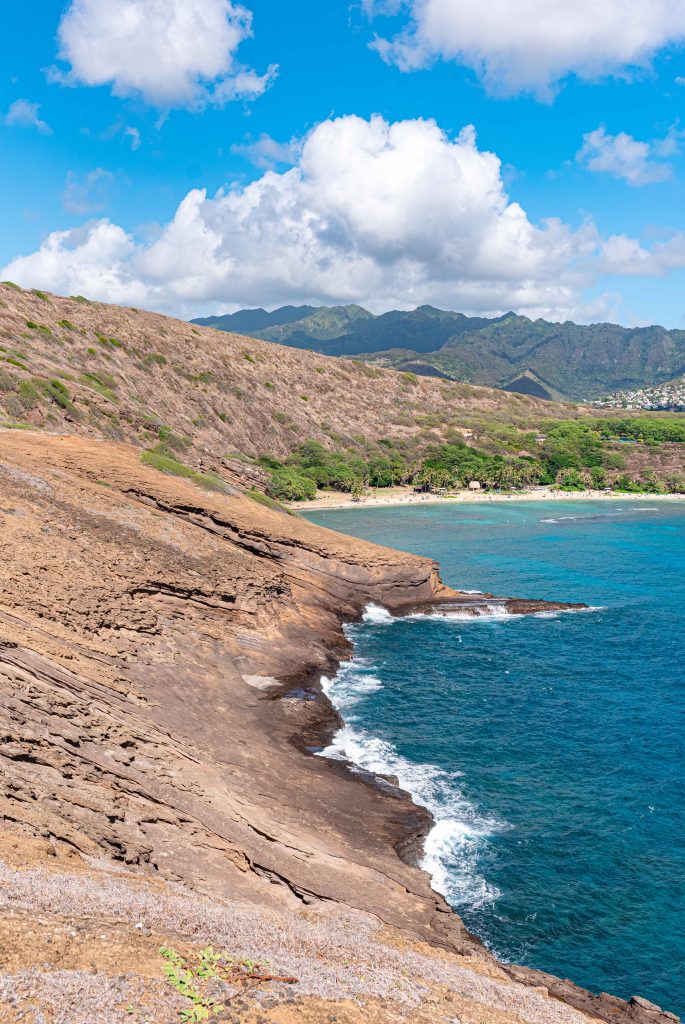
160	650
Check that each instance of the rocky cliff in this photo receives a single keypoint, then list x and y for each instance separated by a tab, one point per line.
160	650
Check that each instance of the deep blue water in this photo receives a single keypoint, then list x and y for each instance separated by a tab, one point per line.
551	750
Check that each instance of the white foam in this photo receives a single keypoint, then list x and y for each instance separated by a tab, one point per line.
490	612
354	681
494	613
377	614
599	515
452	848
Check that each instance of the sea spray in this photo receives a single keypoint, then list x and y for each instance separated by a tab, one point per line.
454	845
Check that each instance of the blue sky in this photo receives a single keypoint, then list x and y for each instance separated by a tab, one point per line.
194	157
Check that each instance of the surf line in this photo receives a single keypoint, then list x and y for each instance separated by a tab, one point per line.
453	847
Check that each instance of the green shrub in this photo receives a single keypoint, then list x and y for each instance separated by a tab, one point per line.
158	458
11	284
172	441
80	298
109	342
16	425
103	385
246	355
614	460
58	392
264	499
154	359
289	484
29	395
67	325
40	295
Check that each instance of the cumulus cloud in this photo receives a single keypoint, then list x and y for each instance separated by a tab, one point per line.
623	255
532	45
170	52
622	156
25	115
387	214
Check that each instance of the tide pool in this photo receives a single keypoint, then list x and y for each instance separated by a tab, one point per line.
550	749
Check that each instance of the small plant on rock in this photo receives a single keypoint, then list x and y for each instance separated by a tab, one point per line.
196	978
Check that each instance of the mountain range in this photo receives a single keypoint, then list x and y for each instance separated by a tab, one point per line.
512	352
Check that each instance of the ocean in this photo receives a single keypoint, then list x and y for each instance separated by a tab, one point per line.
550	749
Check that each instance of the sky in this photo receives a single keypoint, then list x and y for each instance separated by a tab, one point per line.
199	156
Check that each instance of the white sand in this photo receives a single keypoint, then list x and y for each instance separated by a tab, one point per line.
391	496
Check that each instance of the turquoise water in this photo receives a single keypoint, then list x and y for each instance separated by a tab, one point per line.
550	749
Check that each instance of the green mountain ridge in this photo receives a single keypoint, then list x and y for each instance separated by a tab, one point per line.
568	360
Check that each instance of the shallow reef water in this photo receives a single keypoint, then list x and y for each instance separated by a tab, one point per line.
550	748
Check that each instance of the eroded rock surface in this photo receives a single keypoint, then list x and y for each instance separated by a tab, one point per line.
150	636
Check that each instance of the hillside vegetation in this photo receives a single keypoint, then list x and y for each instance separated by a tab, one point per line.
224	409
546	359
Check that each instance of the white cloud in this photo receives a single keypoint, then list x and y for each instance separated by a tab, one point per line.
25	115
622	156
266	152
172	52
134	135
389	215
88	194
627	257
95	259
532	45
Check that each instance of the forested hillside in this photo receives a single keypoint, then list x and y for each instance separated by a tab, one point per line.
565	359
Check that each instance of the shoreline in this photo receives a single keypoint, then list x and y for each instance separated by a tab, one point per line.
231	615
413	849
399	497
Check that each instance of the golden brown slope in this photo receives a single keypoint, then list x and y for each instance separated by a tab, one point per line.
127	372
151	639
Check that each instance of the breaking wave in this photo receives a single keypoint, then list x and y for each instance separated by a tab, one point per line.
490	612
455	844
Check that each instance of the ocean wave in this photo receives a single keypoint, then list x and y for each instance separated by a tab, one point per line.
355	681
378	615
599	515
491	612
454	846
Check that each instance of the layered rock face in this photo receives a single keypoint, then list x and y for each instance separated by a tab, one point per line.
160	651
149	635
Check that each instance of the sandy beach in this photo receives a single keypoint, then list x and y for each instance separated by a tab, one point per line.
396	496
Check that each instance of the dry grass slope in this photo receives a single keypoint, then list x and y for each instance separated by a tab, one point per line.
70	365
